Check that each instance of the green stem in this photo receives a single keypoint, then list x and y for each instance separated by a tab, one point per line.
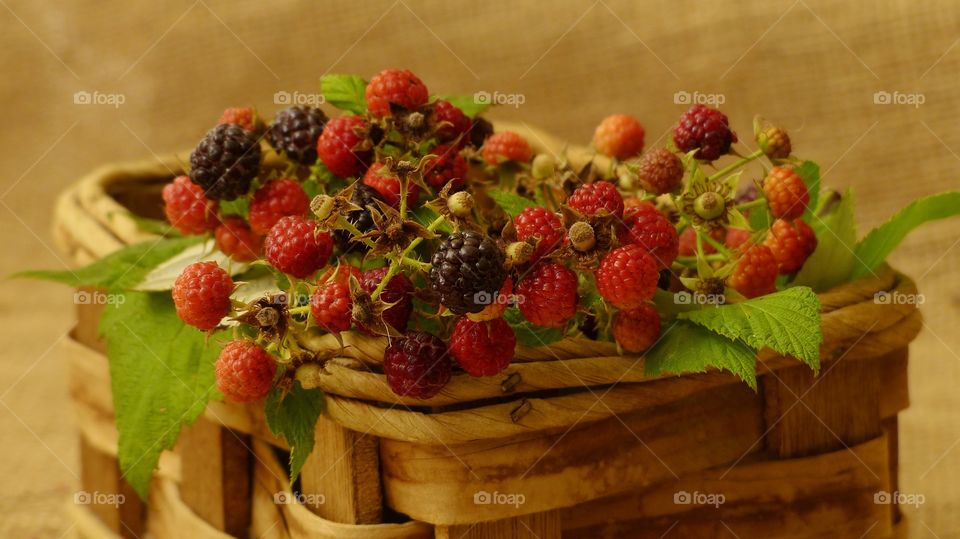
752	204
348	226
299	310
735	165
722	249
691	260
396	263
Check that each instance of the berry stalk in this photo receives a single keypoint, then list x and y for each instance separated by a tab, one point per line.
396	263
735	165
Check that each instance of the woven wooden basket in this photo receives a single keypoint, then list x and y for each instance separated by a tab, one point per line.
571	440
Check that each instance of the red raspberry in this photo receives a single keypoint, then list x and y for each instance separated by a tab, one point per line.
459	124
449	166
736	237
660	171
547	295
331	306
636	329
619	136
417	365
398	291
506	146
201	295
627	277
245	117
755	273
245	371
482	348
791	243
339	146
276	199
296	247
706	130
186	207
688	241
543	224
650	229
786	193
590	198
388	186
397	87
236	240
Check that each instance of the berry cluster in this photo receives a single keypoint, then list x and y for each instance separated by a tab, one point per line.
401	237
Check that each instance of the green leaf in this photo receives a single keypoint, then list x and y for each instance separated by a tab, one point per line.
530	334
163	276
810	172
511	203
346	92
471	105
161	374
239	207
154	226
425	216
760	218
833	260
121	269
294	416
787	322
881	241
685	347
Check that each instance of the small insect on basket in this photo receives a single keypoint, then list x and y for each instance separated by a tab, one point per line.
406	321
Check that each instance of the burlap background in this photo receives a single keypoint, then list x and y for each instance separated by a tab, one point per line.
812	65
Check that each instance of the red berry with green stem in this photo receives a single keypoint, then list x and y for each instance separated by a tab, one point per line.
650	229
331	306
543	225
451	123
592	198
547	295
297	247
341	147
187	208
397	87
791	242
636	330
201	295
482	348
244	371
276	199
755	273
706	130
235	239
786	193
627	277
449	166
506	146
660	171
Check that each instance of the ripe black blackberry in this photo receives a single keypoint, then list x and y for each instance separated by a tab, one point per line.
295	131
225	162
363	196
468	271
